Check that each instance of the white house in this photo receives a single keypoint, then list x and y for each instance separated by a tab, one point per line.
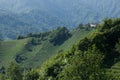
93	25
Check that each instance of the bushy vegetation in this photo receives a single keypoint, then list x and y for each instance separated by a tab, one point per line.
75	66
56	37
118	46
59	36
35	48
89	59
92	58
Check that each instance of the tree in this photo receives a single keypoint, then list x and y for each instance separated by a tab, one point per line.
2	77
106	25
85	67
20	37
14	72
32	75
80	26
118	46
60	35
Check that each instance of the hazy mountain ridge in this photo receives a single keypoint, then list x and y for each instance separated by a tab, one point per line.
21	24
43	15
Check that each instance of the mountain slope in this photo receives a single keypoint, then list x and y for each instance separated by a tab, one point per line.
37	48
95	57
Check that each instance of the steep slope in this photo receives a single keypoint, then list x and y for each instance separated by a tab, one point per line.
8	50
37	48
115	69
93	58
96	56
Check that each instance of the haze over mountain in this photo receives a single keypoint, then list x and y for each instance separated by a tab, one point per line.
43	15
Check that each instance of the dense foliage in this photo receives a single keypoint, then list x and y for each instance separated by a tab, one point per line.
59	36
91	59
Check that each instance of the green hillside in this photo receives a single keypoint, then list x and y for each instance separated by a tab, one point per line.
34	49
80	54
8	50
96	57
115	68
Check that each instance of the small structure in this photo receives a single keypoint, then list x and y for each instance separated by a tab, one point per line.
93	25
88	25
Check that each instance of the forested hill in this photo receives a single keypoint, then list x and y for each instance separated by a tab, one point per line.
24	16
35	48
94	57
89	59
